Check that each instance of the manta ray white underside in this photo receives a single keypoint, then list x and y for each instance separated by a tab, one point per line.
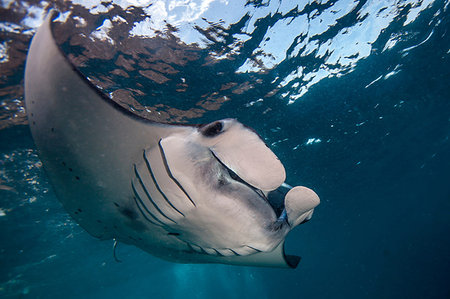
191	194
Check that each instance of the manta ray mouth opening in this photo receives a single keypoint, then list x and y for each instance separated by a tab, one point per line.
274	198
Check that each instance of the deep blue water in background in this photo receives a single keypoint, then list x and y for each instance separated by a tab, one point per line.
377	152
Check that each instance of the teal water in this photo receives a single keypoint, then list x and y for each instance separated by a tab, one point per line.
353	97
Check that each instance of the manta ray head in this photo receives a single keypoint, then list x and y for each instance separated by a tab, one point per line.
215	183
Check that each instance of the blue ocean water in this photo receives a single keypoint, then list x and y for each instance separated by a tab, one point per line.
352	96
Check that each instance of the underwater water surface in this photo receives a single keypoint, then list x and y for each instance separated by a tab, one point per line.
352	96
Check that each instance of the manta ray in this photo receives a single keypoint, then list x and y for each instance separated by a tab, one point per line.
184	193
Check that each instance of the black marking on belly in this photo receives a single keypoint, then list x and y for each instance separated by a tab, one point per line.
70	170
149	167
173	234
166	165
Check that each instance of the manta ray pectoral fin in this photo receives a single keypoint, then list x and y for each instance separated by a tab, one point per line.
243	151
299	204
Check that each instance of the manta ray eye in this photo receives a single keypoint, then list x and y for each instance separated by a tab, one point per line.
213	129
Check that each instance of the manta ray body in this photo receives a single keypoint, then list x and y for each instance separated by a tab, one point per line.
185	193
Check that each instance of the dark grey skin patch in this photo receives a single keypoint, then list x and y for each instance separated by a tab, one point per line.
129	213
137	226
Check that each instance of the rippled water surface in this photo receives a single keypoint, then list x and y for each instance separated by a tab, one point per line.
353	97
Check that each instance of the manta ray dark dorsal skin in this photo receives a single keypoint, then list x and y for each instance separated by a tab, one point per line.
185	193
